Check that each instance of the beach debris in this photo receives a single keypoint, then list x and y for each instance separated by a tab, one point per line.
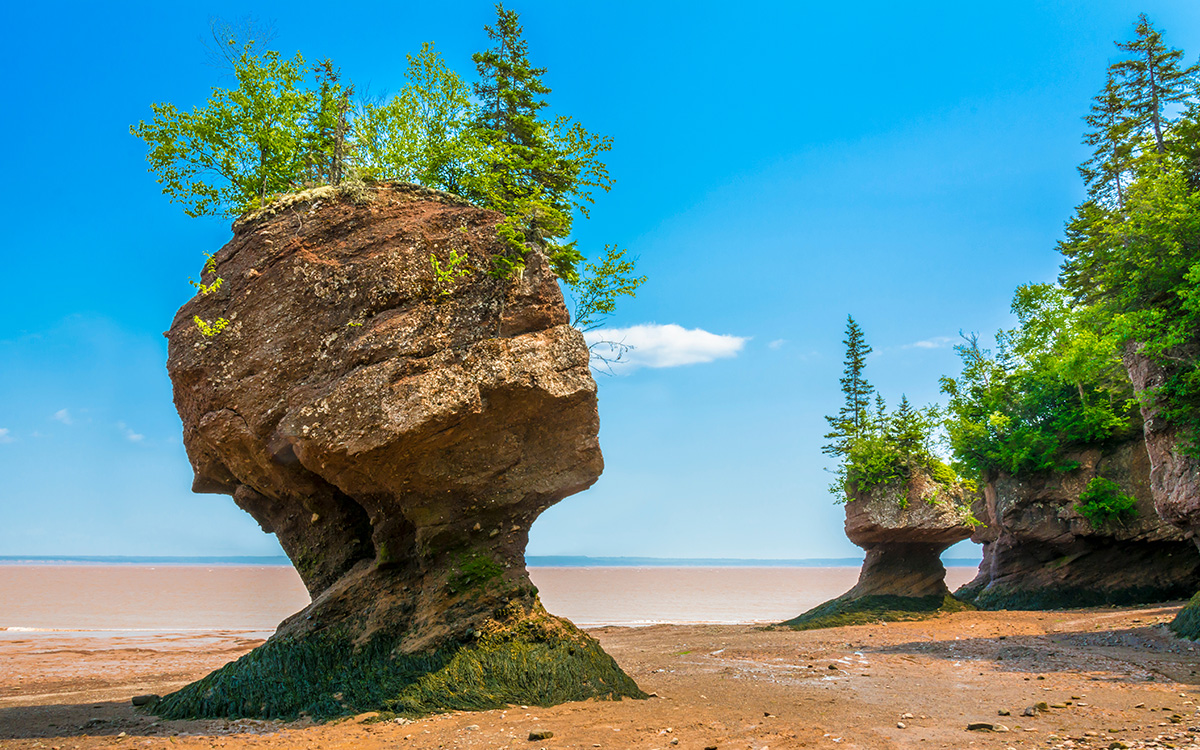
540	734
144	700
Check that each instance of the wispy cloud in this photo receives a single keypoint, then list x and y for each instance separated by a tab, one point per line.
777	343
937	342
129	434
64	416
5	437
654	345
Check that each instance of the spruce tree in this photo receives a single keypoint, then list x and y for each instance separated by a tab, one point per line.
908	431
1111	137
853	419
1151	79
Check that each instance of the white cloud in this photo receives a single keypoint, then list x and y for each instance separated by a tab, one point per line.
64	416
129	434
5	437
937	342
777	343
653	345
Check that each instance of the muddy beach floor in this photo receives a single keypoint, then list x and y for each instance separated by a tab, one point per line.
1106	677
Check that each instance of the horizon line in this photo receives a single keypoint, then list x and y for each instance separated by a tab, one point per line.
532	561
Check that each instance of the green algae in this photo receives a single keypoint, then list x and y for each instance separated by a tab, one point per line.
998	597
1187	623
866	610
530	660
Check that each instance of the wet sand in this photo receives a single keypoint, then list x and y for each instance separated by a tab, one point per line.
1108	675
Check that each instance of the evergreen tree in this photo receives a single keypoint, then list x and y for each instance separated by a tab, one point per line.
538	170
853	419
908	431
1110	136
1151	79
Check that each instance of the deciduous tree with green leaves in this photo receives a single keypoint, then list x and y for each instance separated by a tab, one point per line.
245	144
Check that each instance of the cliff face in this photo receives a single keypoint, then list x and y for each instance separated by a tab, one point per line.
1174	476
1040	553
398	430
904	528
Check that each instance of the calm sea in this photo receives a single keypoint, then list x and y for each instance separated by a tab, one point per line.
89	598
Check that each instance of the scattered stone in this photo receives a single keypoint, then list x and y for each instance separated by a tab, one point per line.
144	700
473	728
1058	705
833	666
1004	712
984	726
906	716
540	734
1042	706
900	725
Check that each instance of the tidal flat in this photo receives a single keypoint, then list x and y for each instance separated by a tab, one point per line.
1093	678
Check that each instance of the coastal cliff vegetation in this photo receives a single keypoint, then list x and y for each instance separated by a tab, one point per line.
1129	281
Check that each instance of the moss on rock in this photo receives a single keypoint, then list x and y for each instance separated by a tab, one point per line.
1187	623
531	659
865	610
1021	597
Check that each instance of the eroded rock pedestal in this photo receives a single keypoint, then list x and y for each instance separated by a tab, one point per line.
1174	474
399	431
904	528
1039	552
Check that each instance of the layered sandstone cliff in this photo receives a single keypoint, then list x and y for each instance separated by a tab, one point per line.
1040	552
399	430
1174	476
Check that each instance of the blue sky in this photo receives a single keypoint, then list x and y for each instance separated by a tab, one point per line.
777	166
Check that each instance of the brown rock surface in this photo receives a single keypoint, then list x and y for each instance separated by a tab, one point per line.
1174	476
904	528
904	532
399	434
1039	552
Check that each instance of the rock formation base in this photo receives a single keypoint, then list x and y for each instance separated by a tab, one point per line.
529	658
904	527
897	582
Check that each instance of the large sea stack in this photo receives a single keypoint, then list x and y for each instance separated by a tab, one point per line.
399	430
904	527
1040	552
1174	470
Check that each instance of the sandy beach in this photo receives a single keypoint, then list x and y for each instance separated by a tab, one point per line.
1105	675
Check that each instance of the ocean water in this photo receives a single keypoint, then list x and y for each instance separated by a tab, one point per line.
141	598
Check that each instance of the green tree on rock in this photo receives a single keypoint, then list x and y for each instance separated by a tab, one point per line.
245	144
853	418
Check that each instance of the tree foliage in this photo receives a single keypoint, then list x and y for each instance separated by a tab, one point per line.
1131	256
1055	383
283	126
872	446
